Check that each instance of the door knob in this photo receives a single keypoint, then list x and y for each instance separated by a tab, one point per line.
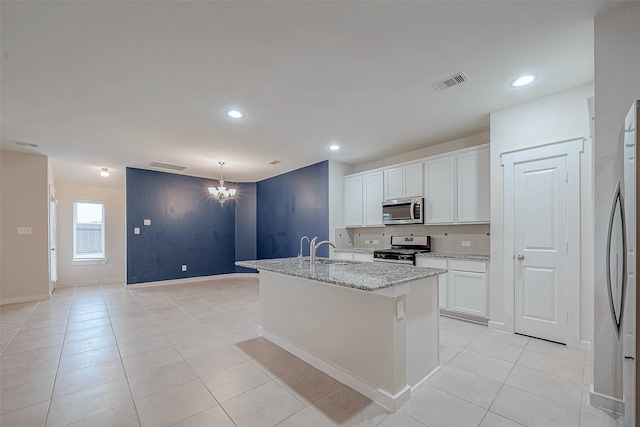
520	257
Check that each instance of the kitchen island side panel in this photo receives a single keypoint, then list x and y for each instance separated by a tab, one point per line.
356	331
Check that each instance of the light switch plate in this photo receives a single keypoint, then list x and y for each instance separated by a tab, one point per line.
184	267
136	230
147	222
24	230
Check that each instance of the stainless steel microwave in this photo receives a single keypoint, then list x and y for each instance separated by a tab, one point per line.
403	211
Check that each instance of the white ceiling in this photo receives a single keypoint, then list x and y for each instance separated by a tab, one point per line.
117	84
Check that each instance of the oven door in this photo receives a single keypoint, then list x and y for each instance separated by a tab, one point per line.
393	259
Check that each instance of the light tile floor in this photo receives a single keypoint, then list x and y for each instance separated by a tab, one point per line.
188	355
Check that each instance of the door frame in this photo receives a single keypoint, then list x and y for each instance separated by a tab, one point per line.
570	149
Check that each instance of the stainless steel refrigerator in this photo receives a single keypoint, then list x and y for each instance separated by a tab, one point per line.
613	387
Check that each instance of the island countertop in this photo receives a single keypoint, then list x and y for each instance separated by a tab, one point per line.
366	276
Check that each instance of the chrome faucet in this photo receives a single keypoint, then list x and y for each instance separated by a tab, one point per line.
312	244
300	254
314	248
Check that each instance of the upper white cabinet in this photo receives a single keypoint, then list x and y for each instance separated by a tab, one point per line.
353	201
473	186
363	196
372	189
457	188
440	189
403	181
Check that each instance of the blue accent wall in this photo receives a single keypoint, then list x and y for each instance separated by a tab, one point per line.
246	243
290	206
187	227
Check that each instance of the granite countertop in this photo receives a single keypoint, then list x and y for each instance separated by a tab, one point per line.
366	276
364	251
468	257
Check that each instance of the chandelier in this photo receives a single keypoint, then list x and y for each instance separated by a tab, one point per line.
222	193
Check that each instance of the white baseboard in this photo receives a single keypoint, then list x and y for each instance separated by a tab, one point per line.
606	403
425	379
496	326
381	397
190	280
29	298
109	281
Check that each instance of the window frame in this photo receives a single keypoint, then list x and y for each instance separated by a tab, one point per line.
93	259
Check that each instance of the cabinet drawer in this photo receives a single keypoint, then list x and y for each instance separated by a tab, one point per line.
431	263
473	266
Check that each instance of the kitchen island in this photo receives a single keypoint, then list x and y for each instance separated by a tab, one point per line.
371	326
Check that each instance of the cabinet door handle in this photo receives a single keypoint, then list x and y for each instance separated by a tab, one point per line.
520	257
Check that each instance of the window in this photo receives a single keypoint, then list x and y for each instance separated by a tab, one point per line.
88	231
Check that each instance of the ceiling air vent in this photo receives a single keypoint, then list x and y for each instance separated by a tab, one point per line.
275	162
26	144
168	166
450	81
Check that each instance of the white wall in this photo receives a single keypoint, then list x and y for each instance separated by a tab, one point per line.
24	261
554	118
90	274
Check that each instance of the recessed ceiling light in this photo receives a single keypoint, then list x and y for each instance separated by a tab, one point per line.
104	173
334	147
235	114
523	81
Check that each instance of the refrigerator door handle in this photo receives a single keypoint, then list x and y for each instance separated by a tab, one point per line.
617	315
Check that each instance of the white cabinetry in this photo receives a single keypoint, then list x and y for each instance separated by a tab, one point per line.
353	201
468	287
403	181
440	189
463	290
473	186
457	188
363	196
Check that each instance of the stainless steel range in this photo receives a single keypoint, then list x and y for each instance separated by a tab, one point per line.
403	249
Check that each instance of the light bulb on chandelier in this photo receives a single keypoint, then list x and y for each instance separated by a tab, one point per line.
222	193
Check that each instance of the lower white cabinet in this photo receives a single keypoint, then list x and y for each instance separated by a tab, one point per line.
463	289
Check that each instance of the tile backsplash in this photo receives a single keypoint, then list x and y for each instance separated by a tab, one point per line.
444	238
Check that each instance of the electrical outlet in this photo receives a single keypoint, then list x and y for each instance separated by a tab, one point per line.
367	242
136	230
147	222
466	243
375	242
184	267
400	309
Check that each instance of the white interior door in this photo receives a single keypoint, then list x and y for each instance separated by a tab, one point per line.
540	248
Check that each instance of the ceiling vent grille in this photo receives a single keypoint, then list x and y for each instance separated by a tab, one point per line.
275	162
168	166
26	144
450	81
